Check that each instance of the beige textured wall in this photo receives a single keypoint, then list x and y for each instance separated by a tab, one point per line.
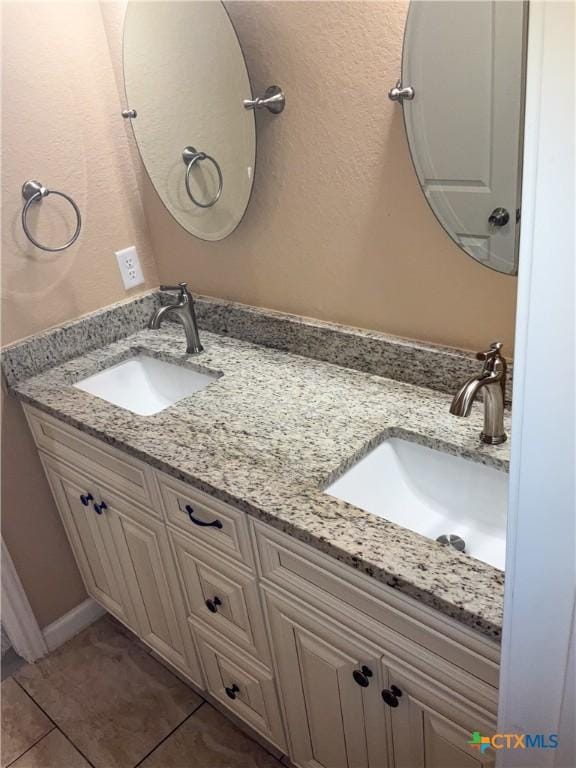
337	227
61	125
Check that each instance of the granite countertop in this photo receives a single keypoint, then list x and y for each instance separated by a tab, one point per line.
272	432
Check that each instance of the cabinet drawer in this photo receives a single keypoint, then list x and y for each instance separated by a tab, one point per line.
99	461
205	519
242	685
221	594
299	568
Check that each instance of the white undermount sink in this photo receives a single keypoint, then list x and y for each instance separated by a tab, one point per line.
432	493
145	385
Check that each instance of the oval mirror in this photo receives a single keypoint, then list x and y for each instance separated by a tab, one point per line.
464	63
186	79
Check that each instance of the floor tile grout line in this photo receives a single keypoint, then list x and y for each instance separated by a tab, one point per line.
31	746
151	652
69	740
166	668
54	723
56	726
147	755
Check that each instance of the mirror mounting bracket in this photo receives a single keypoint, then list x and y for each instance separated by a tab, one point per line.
398	93
273	100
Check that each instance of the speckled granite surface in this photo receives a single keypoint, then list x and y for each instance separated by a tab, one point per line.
429	365
270	433
37	353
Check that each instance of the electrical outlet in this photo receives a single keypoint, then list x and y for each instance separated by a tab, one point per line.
129	265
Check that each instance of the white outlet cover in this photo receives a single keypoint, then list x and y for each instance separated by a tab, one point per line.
129	266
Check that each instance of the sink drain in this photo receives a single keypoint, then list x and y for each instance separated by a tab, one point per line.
452	540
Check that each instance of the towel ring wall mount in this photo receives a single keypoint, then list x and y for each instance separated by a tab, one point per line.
35	192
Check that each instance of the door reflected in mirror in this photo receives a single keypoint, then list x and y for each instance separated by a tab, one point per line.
465	62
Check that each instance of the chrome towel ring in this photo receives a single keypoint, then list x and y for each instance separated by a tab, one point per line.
191	157
34	192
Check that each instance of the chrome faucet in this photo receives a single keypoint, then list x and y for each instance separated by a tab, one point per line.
183	311
492	380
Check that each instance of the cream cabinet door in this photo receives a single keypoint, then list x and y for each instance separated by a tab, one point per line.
142	548
431	728
330	683
90	538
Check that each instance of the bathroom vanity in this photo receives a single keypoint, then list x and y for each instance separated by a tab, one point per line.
335	635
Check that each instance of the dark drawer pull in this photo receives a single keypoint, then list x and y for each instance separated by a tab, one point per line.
231	692
99	508
86	498
213	524
361	676
212	605
391	696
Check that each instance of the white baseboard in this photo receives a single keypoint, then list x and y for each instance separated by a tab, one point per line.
72	623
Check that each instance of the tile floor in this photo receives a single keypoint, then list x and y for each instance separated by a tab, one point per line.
102	700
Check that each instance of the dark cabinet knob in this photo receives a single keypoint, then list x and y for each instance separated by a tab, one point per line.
232	691
196	521
86	498
499	217
99	508
391	696
361	676
212	605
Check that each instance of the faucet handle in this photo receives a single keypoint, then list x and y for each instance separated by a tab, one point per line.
491	353
182	287
491	356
